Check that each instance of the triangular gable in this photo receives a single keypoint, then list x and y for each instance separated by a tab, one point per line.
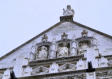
74	22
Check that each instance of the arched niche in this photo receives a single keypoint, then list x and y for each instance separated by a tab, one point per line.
63	46
84	42
43	49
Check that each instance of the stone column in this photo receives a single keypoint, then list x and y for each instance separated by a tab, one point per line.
73	51
53	50
18	67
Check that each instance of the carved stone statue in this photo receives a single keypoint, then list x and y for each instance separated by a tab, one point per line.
68	11
54	68
42	54
63	51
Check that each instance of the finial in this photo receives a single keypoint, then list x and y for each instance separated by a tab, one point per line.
45	38
84	33
69	11
64	36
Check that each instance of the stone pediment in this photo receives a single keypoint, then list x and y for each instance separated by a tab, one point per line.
62	50
53	27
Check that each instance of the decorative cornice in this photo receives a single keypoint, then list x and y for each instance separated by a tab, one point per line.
67	73
57	60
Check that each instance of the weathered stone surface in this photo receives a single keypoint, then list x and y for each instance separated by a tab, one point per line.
62	51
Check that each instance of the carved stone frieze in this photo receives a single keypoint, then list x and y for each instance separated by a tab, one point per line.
67	67
39	70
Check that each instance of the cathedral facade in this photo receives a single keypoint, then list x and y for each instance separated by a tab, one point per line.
67	50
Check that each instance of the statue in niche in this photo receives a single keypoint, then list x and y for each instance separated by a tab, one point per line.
54	68
63	51
68	11
42	54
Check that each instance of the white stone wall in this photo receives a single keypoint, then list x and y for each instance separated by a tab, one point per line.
19	57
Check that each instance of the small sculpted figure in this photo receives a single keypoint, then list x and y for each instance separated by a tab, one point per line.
63	51
42	54
68	11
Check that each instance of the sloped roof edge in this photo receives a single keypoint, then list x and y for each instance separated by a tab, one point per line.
7	54
101	33
74	22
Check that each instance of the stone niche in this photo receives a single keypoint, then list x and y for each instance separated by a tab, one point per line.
84	42
43	49
63	46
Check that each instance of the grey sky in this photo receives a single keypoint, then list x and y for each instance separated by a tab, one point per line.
20	20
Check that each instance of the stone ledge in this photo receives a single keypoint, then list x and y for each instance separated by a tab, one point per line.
66	18
68	73
57	60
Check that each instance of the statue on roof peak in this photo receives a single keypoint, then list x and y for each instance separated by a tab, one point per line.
68	11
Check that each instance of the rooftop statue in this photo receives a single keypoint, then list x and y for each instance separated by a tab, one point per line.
68	11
